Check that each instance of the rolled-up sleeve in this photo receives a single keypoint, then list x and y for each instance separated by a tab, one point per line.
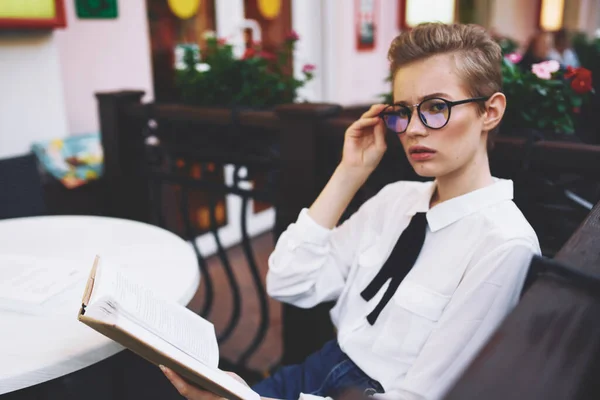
481	302
310	263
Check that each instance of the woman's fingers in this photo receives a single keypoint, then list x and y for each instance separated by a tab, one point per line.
186	390
379	133
374	110
237	377
359	125
176	380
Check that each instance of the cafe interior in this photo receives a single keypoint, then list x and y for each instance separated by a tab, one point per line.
178	139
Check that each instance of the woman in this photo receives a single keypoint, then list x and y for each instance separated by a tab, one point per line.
538	50
562	51
409	336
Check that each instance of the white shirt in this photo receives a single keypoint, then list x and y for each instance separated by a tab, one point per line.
567	58
466	279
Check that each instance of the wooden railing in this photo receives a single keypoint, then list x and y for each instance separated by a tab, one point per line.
165	164
554	181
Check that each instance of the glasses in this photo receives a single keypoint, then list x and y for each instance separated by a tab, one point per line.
434	113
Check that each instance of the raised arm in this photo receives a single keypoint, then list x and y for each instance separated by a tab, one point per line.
312	257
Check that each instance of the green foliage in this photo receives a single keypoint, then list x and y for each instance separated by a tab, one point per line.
388	98
588	51
507	44
542	104
258	80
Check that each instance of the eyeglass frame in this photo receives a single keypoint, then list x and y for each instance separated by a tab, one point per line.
449	103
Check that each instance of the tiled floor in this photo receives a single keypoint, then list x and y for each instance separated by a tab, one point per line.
270	350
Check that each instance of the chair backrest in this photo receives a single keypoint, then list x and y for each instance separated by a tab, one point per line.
21	191
205	184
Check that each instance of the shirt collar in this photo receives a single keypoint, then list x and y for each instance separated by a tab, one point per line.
450	211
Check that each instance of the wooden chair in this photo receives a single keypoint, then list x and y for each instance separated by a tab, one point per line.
21	192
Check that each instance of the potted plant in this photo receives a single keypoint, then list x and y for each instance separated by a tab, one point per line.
547	98
258	79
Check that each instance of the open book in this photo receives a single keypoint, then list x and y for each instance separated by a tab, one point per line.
161	331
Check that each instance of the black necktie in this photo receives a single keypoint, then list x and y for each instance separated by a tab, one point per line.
399	263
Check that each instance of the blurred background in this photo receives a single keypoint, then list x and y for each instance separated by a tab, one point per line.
49	75
219	120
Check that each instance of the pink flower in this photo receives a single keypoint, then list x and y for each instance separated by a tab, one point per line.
545	69
292	36
551	65
514	58
308	68
541	72
222	41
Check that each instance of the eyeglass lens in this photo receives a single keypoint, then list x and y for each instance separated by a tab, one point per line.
433	113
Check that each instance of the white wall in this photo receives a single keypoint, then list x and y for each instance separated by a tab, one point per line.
32	104
229	16
103	55
352	76
307	21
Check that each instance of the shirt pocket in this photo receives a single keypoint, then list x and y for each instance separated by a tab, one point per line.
414	312
369	262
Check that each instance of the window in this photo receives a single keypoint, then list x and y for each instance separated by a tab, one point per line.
414	12
551	14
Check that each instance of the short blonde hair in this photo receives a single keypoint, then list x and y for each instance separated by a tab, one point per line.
479	60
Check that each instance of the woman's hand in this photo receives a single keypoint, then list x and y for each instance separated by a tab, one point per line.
364	142
364	145
191	392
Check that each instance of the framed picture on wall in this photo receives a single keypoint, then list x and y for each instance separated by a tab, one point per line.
96	9
32	14
413	12
366	24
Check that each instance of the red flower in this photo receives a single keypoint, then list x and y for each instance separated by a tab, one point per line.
571	72
222	41
249	53
292	36
582	79
308	68
582	83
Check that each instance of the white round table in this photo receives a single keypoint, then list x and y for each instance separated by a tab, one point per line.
38	348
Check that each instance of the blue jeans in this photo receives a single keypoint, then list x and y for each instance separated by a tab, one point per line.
326	372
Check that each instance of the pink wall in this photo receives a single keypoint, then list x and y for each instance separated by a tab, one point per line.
31	99
358	76
515	18
102	55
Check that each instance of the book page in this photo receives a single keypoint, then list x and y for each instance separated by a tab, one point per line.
221	378
174	323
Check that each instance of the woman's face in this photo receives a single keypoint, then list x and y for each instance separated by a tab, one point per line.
439	152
